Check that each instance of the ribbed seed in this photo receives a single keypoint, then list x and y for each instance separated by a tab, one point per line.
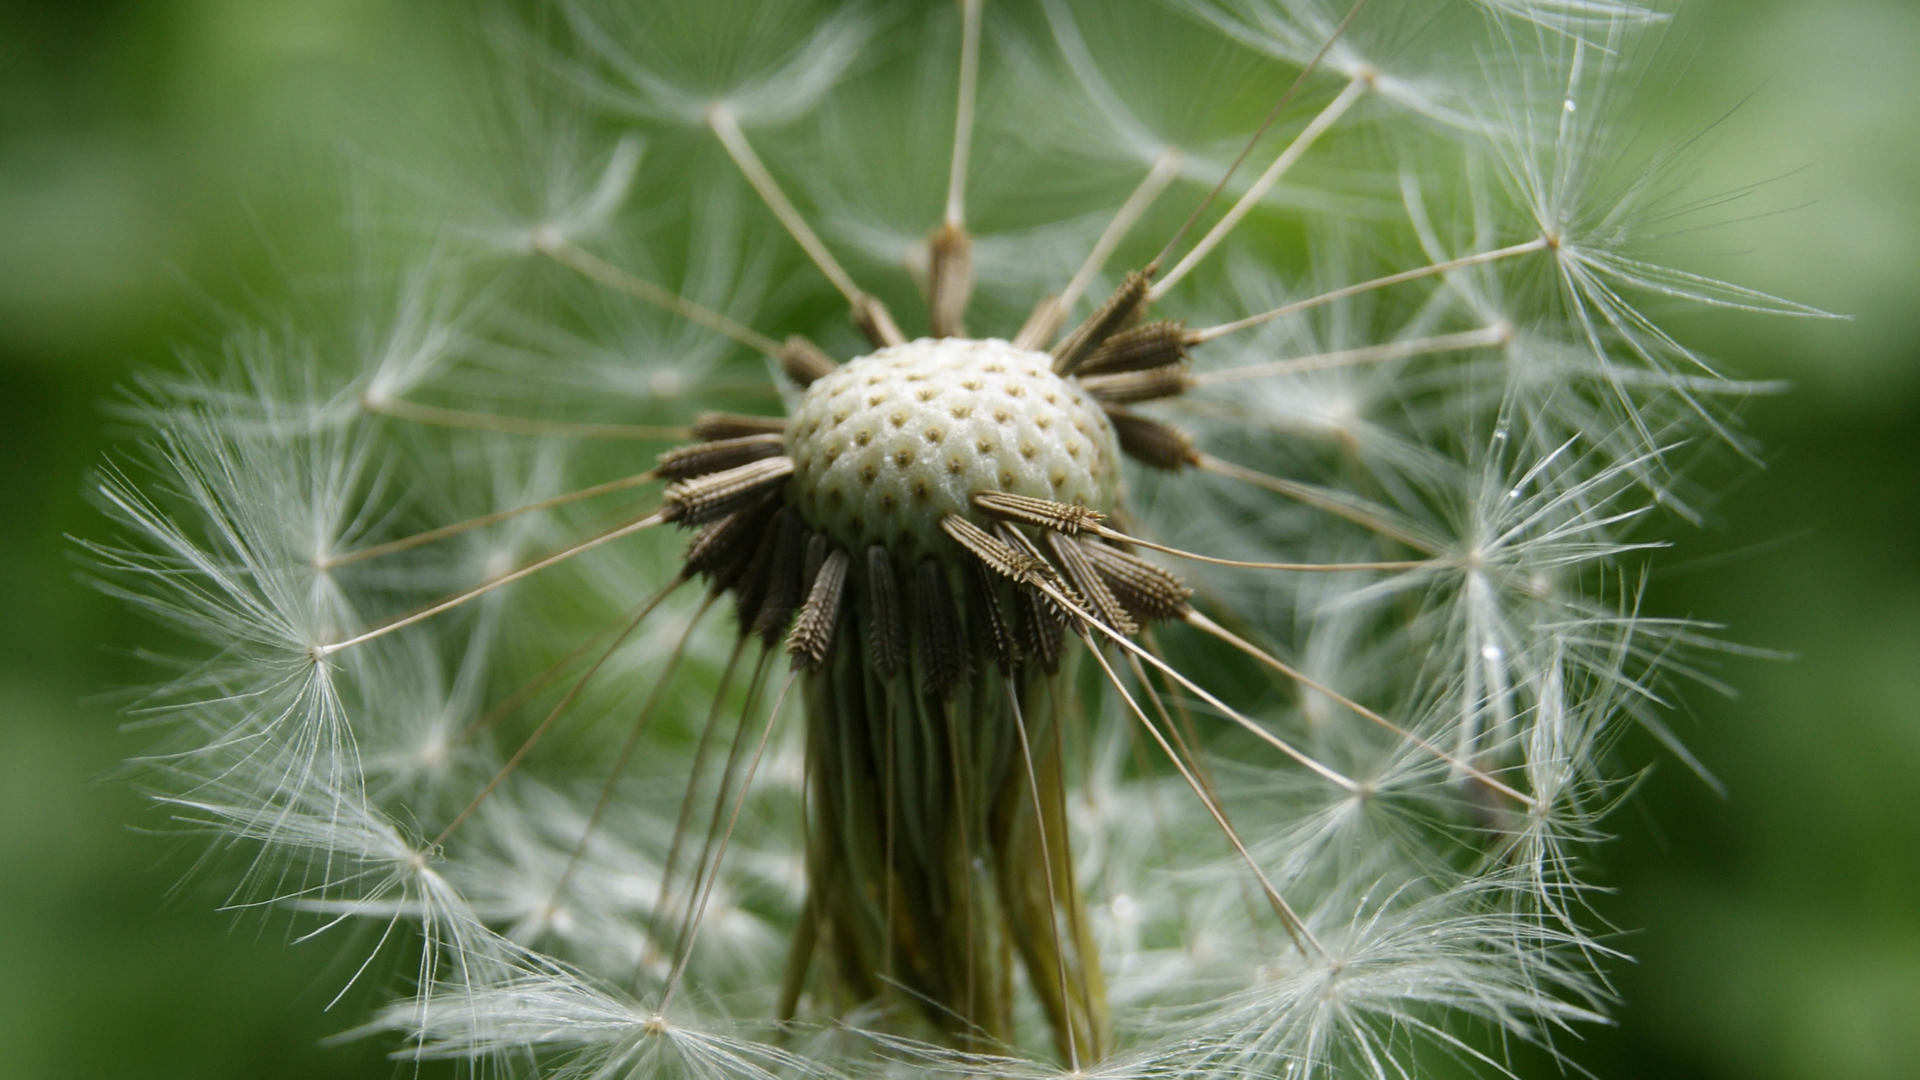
995	553
1069	518
704	498
943	652
1074	562
1044	573
1042	632
786	576
1156	344
813	632
1149	385
701	459
1150	442
1113	316
1148	591
887	628
992	632
803	361
722	550
724	425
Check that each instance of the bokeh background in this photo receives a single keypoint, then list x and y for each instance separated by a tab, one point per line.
161	160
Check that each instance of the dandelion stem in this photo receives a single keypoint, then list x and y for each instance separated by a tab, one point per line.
563	251
458	527
1366	354
1165	169
1538	243
323	651
436	416
1294	151
1213	629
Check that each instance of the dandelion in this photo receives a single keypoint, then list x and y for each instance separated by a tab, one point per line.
1184	639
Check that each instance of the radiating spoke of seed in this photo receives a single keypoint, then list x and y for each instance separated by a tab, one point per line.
1071	520
456	528
1372	518
720	853
1296	927
702	747
1485	337
321	652
1213	629
867	310
1288	157
1248	564
553	715
557	247
736	749
1086	619
970	12
642	721
436	416
1527	247
496	712
1045	321
1279	106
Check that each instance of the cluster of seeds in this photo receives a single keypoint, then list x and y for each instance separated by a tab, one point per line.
886	446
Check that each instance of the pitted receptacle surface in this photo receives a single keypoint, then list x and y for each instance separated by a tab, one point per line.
888	444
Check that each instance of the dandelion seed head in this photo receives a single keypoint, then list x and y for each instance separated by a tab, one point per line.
890	443
1169	650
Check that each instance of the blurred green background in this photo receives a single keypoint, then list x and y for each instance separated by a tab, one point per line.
155	155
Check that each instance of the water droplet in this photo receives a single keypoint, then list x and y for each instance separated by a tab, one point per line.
1492	653
1567	105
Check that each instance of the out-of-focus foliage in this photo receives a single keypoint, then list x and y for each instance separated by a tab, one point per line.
155	155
